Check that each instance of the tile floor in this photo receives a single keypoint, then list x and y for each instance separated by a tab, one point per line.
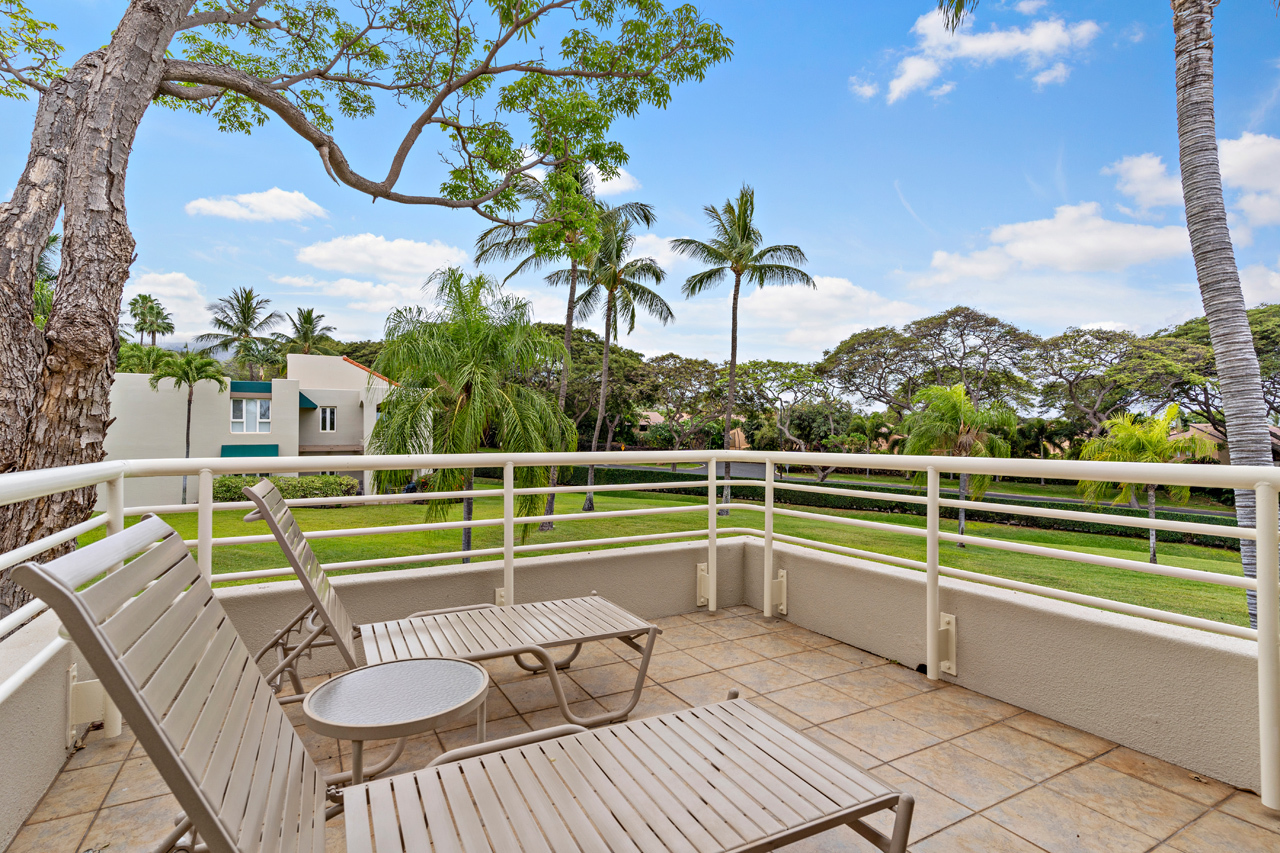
987	777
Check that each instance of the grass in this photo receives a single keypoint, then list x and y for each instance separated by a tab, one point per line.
1223	604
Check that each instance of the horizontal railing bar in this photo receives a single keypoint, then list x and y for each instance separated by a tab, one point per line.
361	564
337	501
874	556
53	540
343	532
613	513
610	487
1226	530
611	540
1102	560
853	493
853	522
19	617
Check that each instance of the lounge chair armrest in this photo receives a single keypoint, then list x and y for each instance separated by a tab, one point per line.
506	743
256	515
450	610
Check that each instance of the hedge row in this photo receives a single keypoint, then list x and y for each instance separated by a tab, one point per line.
577	476
229	488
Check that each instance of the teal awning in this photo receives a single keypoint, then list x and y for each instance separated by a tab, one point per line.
305	402
250	387
237	450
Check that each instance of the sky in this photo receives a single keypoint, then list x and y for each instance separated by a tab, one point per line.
1026	166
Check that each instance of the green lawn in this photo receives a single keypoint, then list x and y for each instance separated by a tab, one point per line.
1197	599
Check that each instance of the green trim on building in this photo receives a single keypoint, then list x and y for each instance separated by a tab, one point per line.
250	387
241	450
305	402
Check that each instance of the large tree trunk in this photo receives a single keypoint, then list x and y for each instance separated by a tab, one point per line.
733	379
589	504
564	381
55	407
1248	440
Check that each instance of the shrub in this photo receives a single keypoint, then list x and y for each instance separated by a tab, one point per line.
229	488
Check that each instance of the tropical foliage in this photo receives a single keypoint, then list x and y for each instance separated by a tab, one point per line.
241	321
308	334
188	370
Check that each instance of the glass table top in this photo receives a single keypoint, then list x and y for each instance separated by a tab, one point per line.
397	692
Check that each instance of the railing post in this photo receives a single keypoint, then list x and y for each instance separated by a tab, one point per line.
204	525
1269	642
933	610
111	719
509	533
712	509
768	537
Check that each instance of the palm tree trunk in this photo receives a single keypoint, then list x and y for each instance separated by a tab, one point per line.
467	506
964	491
191	393
1151	514
589	504
733	379
153	338
564	382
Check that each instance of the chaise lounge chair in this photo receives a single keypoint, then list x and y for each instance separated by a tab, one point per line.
476	632
724	777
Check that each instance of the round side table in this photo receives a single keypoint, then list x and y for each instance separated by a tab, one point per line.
396	699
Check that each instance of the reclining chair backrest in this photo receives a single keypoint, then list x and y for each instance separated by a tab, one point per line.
170	659
275	512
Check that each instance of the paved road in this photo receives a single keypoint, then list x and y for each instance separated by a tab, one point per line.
755	471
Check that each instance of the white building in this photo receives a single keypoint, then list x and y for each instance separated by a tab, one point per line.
328	405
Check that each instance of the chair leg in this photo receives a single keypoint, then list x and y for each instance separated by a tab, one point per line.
563	663
902	824
608	716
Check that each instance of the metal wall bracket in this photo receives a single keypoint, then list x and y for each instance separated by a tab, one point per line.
704	585
780	592
86	703
500	596
947	643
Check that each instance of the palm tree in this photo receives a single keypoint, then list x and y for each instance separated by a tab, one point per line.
616	284
46	278
1127	439
506	243
188	370
137	307
735	249
1036	435
309	334
136	358
152	319
459	379
238	320
949	424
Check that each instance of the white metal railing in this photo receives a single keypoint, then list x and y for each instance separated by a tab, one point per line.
1264	482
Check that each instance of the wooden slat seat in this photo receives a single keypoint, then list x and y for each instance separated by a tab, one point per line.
479	632
717	778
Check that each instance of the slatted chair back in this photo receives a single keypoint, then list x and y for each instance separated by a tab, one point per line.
272	509
168	656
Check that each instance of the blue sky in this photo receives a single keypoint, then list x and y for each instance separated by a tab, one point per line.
1026	167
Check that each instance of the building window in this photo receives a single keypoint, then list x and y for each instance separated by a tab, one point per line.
251	415
328	418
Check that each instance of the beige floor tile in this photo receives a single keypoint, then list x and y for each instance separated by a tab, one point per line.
691	635
817	702
99	749
1141	805
138	780
502	670
964	698
497	729
842	747
549	717
592	654
1060	734
622	650
653	701
135	827
933	811
535	694
375	748
697	617
724	655
769	623
1018	751
935	713
673	665
772	645
791	718
870	687
766	676
880	735
1221	833
335	835
318	745
961	775
1060	825
808	638
61	835
1247	806
1202	789
742	610
76	792
918	680
706	689
737	628
816	664
975	835
604	680
855	655
680	621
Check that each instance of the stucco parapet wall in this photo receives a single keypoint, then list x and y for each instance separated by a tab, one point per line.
1189	697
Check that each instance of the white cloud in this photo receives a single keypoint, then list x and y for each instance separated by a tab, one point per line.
814	319
1260	284
1058	73
403	261
181	296
1030	7
377	297
1110	326
944	89
865	89
625	182
1145	179
269	206
1035	45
